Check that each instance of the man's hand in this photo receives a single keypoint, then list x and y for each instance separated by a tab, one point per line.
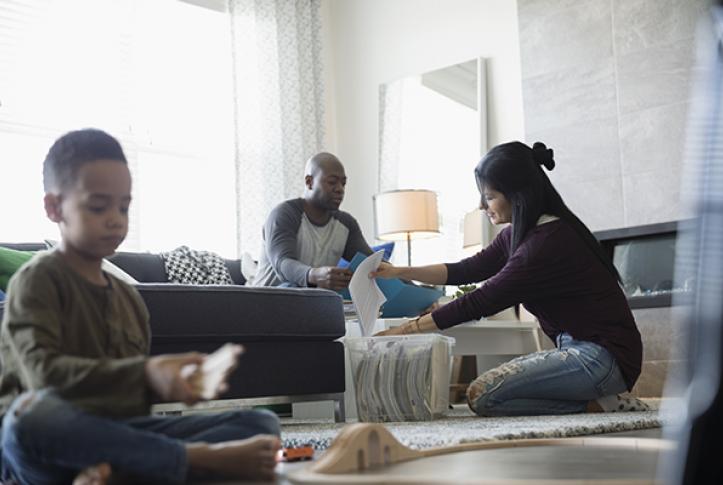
385	270
164	377
330	277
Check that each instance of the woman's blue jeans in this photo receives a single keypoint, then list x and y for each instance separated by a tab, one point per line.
559	381
46	440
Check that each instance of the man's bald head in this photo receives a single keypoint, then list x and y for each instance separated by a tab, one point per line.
321	162
325	180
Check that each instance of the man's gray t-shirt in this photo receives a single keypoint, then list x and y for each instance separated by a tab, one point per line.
293	244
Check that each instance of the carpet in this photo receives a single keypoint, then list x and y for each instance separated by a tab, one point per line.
461	426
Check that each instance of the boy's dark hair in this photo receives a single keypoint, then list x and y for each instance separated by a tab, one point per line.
515	170
72	150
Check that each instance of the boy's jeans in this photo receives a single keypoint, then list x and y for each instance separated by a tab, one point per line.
559	381
46	440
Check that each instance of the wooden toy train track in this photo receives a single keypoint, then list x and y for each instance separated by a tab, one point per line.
366	446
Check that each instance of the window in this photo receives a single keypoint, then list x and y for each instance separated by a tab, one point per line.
156	75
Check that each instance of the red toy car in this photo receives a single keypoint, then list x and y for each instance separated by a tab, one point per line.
297	453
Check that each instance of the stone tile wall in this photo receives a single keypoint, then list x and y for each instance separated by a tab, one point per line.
664	342
607	85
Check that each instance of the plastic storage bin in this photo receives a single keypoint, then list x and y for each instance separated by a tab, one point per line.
401	378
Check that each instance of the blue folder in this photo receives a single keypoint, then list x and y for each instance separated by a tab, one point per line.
403	299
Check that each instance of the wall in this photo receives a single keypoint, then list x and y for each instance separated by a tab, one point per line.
664	332
606	84
372	42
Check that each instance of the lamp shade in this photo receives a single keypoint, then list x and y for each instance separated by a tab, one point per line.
402	214
472	231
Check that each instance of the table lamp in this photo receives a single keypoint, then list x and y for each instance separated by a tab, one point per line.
401	215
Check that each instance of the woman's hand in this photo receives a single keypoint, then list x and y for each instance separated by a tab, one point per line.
430	308
412	326
421	324
390	331
433	274
386	270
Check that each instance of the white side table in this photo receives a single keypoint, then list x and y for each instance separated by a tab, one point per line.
489	338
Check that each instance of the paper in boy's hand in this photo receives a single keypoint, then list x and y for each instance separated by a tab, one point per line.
208	377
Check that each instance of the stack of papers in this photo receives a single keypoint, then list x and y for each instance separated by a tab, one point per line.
401	378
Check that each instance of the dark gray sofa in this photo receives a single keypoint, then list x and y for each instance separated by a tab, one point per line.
289	333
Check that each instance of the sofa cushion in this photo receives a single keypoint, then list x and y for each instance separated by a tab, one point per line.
10	261
194	313
234	267
277	368
114	270
144	267
150	268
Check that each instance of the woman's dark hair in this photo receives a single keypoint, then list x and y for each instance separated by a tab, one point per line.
515	170
72	150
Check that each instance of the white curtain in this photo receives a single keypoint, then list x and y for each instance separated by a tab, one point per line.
279	105
390	128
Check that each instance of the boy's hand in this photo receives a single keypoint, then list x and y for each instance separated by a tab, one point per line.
210	378
164	377
385	270
330	277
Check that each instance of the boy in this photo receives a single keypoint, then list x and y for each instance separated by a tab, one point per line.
75	379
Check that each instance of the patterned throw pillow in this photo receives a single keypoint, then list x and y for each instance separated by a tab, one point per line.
190	267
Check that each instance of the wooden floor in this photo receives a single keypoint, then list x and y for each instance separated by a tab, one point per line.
526	463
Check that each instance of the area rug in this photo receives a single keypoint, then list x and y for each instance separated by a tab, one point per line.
461	426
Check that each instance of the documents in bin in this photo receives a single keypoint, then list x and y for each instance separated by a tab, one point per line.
403	299
401	378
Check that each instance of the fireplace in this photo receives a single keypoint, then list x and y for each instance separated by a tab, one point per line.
645	259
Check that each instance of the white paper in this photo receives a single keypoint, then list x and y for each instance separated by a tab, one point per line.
365	293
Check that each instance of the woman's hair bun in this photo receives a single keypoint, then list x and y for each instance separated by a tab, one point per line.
543	155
